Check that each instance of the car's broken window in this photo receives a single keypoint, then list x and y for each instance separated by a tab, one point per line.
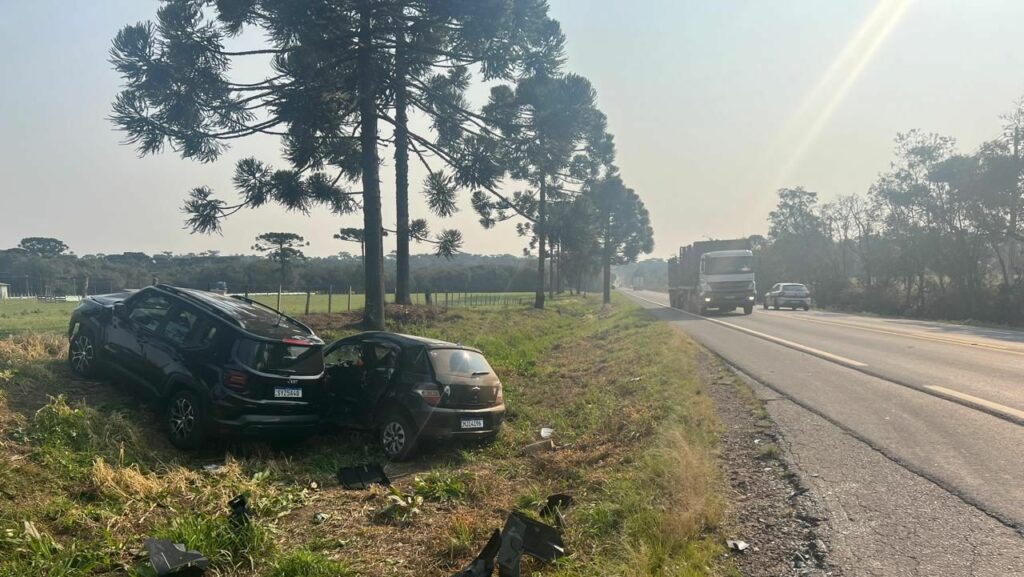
458	362
150	310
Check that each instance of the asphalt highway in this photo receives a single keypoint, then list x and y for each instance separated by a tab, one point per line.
911	433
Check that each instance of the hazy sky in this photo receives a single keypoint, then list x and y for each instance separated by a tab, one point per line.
714	104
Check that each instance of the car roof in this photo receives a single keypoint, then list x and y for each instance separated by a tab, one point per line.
404	340
250	316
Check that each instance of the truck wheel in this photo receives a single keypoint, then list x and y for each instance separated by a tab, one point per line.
775	307
748	309
703	311
765	304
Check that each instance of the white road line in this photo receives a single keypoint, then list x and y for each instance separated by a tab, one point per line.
995	409
977	401
789	344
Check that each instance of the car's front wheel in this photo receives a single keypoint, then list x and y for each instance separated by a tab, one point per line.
398	435
82	354
186	420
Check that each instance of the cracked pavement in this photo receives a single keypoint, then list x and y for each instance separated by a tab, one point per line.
912	484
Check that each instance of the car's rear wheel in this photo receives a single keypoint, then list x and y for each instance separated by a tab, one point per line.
186	420
398	435
748	309
82	354
766	304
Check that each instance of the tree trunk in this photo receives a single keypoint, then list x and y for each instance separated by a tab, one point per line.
373	311
402	295
606	264
540	226
551	269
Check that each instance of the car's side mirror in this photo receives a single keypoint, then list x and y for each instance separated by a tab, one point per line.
120	311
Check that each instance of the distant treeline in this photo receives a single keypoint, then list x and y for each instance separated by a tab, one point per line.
60	274
938	235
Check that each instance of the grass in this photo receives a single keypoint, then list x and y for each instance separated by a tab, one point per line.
635	435
20	316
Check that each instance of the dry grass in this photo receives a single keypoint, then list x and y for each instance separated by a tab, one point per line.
635	439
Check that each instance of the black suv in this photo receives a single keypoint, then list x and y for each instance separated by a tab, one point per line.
217	364
408	388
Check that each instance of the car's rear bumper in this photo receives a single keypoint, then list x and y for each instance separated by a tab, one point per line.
787	302
268	425
442	423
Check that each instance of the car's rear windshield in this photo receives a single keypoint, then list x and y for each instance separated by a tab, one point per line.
794	287
282	358
458	363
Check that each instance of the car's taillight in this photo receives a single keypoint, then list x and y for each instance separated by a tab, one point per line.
235	380
429	392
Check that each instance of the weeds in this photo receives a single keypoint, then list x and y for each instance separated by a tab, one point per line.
443	487
400	507
768	451
228	547
308	564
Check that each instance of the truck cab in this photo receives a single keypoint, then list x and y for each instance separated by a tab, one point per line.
727	281
713	274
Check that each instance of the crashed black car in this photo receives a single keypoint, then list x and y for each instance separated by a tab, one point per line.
214	363
410	388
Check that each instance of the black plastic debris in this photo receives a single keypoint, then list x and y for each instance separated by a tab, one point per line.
483	565
362	476
239	507
173	560
556	502
510	550
555	505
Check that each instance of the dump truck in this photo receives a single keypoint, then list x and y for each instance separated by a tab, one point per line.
713	274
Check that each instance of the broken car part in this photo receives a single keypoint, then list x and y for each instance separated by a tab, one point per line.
483	565
738	546
239	511
362	476
173	560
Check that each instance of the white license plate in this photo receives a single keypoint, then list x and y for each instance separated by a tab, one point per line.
287	393
472	423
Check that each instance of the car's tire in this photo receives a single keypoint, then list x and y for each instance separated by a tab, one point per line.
775	307
83	354
807	308
748	309
398	435
186	420
765	304
703	311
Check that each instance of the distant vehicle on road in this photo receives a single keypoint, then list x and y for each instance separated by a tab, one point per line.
714	274
788	295
214	363
408	388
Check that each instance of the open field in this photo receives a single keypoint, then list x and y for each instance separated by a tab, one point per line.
17	315
635	435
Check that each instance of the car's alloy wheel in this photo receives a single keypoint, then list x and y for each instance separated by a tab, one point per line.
186	420
398	435
394	438
181	417
82	355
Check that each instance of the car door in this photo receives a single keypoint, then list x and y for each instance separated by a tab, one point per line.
775	293
163	351
345	372
129	332
381	371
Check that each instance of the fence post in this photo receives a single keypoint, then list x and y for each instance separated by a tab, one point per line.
330	295
247	290
307	301
350	297
278	297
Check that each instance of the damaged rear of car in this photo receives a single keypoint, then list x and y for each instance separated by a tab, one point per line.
409	388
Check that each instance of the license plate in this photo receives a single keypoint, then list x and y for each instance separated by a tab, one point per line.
472	423
287	393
